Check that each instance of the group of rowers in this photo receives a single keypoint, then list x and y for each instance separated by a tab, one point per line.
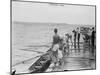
60	46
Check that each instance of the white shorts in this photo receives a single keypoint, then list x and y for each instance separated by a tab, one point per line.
55	47
60	54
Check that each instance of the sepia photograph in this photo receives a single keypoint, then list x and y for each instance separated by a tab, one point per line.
52	37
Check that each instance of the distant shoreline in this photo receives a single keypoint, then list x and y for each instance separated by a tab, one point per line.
51	23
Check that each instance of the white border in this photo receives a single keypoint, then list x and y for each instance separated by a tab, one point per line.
5	36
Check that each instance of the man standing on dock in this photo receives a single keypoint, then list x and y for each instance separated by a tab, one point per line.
74	31
78	38
93	40
55	46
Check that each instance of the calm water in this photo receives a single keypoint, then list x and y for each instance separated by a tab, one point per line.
36	34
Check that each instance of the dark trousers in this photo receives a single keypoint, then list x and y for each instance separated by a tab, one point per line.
75	43
78	38
92	43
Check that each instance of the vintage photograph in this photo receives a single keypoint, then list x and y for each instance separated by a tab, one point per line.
52	37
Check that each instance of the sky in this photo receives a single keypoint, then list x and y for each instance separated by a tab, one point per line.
44	12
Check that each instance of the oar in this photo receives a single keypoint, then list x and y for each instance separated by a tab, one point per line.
24	61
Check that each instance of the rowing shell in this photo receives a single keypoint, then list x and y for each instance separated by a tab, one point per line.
41	65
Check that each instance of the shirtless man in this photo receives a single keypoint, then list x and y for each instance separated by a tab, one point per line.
55	47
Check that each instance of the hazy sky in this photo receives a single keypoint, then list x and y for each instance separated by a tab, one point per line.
42	12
